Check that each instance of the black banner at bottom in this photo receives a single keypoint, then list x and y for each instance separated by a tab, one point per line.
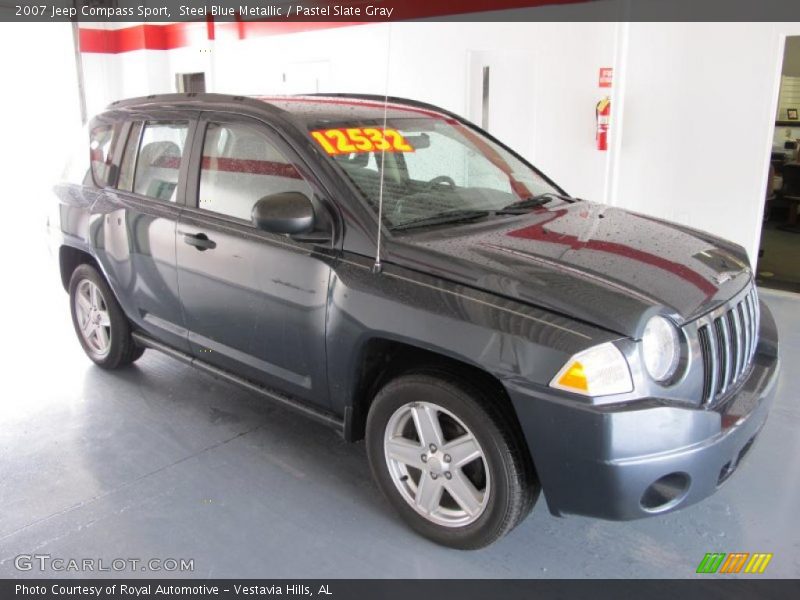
391	589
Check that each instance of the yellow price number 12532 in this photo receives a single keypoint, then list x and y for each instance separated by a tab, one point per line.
358	139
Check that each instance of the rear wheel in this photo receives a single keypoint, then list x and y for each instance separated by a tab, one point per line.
448	460
102	328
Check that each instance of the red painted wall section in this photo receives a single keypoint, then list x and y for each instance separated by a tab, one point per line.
184	34
142	37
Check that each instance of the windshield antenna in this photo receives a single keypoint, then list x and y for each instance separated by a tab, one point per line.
378	267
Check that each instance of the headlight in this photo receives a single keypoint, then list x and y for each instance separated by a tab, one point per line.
660	348
598	371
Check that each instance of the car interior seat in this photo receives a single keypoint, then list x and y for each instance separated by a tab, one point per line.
157	175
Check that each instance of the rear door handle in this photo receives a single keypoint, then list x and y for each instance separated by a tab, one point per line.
199	241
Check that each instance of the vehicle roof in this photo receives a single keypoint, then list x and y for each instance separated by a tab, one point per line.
347	107
311	108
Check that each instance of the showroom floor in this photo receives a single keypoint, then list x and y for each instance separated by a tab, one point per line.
161	461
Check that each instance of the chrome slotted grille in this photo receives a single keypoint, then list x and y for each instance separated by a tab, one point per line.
728	341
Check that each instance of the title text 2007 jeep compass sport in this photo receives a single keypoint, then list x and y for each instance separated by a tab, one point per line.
508	338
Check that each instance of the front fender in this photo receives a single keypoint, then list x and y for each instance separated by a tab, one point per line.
513	342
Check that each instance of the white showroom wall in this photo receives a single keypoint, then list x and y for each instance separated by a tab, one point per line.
110	77
692	112
41	113
41	123
699	114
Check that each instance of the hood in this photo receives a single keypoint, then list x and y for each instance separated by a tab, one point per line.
606	266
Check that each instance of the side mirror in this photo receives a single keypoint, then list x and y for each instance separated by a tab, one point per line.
285	212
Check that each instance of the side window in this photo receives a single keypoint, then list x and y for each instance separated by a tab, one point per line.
129	158
240	166
100	148
159	160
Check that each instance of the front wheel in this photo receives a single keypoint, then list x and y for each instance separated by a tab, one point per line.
449	461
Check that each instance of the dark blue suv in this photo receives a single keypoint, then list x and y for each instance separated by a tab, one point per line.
391	270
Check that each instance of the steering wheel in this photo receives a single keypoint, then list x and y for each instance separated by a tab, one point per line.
442	180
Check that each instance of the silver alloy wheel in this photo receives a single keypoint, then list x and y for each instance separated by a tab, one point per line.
94	321
437	464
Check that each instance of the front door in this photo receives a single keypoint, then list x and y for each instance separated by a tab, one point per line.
254	302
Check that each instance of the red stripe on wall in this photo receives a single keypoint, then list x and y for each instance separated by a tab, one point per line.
142	37
184	34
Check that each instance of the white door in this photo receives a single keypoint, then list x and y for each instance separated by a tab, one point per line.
505	107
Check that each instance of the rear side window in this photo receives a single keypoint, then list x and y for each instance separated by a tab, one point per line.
129	158
240	166
159	160
100	148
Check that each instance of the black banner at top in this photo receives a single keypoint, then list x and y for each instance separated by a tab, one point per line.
165	11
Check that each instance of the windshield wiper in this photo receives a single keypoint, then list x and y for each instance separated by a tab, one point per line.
450	216
460	215
537	200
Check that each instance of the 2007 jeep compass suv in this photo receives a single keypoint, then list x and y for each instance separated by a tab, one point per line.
393	271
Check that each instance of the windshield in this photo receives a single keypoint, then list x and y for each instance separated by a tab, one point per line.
432	168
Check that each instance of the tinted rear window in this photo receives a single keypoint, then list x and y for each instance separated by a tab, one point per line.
101	139
129	158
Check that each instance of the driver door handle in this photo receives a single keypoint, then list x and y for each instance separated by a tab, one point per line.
199	241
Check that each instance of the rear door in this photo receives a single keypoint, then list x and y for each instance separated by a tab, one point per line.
255	303
140	216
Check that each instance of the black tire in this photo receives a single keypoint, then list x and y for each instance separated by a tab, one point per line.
122	349
515	488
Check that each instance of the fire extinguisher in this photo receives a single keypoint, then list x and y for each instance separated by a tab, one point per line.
602	114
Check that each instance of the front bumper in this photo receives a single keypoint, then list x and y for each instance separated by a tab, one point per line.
604	461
